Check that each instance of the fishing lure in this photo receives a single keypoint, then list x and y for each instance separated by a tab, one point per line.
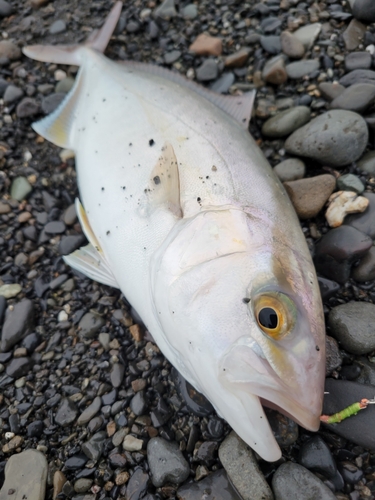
347	412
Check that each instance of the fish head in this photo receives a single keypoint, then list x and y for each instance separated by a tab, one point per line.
246	321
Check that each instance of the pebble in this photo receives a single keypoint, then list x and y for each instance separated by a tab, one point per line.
308	196
51	102
336	138
195	401
5	9
363	10
166	462
25	476
27	107
9	50
93	448
291	45
352	325
286	122
303	68
242	468
137	485
90	325
82	485
330	90
19	322
132	443
207	71
274	71
57	27
223	84
215	486
69	244
342	393
172	57
316	456
358	76
190	11
59	480
18	367
166	10
12	94
357	97
271	44
138	404
358	60
66	412
294	481
205	45
90	411
342	203
117	374
333	356
364	222
290	170
353	35
308	34
20	188
65	85
10	291
367	163
237	59
365	270
336	252
350	182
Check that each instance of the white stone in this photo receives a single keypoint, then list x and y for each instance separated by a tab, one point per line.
308	34
343	203
131	443
59	75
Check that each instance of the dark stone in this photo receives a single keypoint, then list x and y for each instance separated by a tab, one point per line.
328	288
358	76
285	430
271	44
51	102
31	342
35	429
215	427
365	221
93	448
55	227
18	323
350	473
116	460
364	10
315	455
358	60
18	367
76	462
166	462
117	374
216	486
207	71
110	398
138	404
333	356
206	453
69	244
27	107
137	485
66	413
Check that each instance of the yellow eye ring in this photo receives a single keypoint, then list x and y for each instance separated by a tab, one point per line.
275	313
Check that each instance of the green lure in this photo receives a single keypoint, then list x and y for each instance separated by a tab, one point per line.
347	412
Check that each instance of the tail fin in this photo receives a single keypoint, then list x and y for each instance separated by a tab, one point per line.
71	54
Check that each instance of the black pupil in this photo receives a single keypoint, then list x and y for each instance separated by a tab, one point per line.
268	318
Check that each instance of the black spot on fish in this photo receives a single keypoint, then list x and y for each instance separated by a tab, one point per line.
151	142
156	179
108	232
317	348
102	188
199	199
130	144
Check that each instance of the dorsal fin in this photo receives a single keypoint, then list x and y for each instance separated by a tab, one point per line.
239	107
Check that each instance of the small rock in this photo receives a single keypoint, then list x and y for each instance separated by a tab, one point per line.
138	404
132	443
59	480
51	102
18	367
353	35
333	356
210	488
357	97
26	476
242	468
117	374
9	50
57	27
20	188
205	45
27	107
330	90
343	203
65	85
367	163
93	448
171	57
207	71
166	462
291	45
308	34
90	411
10	291
271	44
223	84
365	221
302	68
12	94
19	322
190	11
352	325
274	71
90	324
166	10
137	485
5	9
363	10
309	195
365	271
238	59
358	76
316	456
286	122
294	481
350	182
69	244
82	485
290	170
358	60
335	138
66	412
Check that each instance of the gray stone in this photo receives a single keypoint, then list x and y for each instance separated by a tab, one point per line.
166	462
9	50
171	57
358	60
242	468
308	34
190	11
20	188
19	322
70	216
55	227
70	243
207	71
286	122
5	9
18	367
57	27
25	476
51	102
138	404
64	85
12	94
330	90
352	324
350	182
216	486
365	271
358	76
294	481
364	10
367	163
303	68
336	138
290	170
117	374
353	35
90	412
223	84
364	222
93	448
357	97
27	107
66	412
291	45
166	10
274	71
271	44
82	485
90	325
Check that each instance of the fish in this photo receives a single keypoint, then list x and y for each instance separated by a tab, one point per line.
184	215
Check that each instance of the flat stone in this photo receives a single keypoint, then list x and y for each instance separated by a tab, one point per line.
352	325
10	291
51	102
242	468
336	252
364	10
82	485
93	448
166	462
365	271
308	34
69	244
271	44
223	83
207	71
341	394
57	27
274	71
291	45
19	322
90	325
330	90
131	443
27	107
342	203
90	412
25	476
18	367
358	60
64	85
316	456
286	122
216	486
9	50
303	68
350	182
358	76
364	222
353	35
309	195
190	11
166	10
20	188
117	374
59	480
137	485
237	59
294	481
172	56
290	170
357	97
205	45
335	138
66	412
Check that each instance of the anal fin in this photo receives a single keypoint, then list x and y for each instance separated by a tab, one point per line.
88	261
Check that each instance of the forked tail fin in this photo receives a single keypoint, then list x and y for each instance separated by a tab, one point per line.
71	54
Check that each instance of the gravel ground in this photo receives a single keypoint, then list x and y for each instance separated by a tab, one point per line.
89	407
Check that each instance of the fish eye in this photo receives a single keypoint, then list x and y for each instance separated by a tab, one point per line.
275	313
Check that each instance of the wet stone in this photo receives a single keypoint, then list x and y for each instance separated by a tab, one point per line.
10	291
308	34
365	270
190	11
93	448
76	462
316	456
5	8
95	424
353	35
166	462
110	398
55	227
214	487
35	429
90	411
290	170
207	71
330	90
294	481
66	412
132	443
336	138
286	122
242	468
364	222
350	473
137	485
138	404
206	452
69	244
90	324
215	427
352	325
223	84
117	374
166	10
303	68
171	57
350	182
338	250
27	107
357	97
196	402
26	476
358	60
237	59
18	367
12	94
284	429
82	485
358	76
